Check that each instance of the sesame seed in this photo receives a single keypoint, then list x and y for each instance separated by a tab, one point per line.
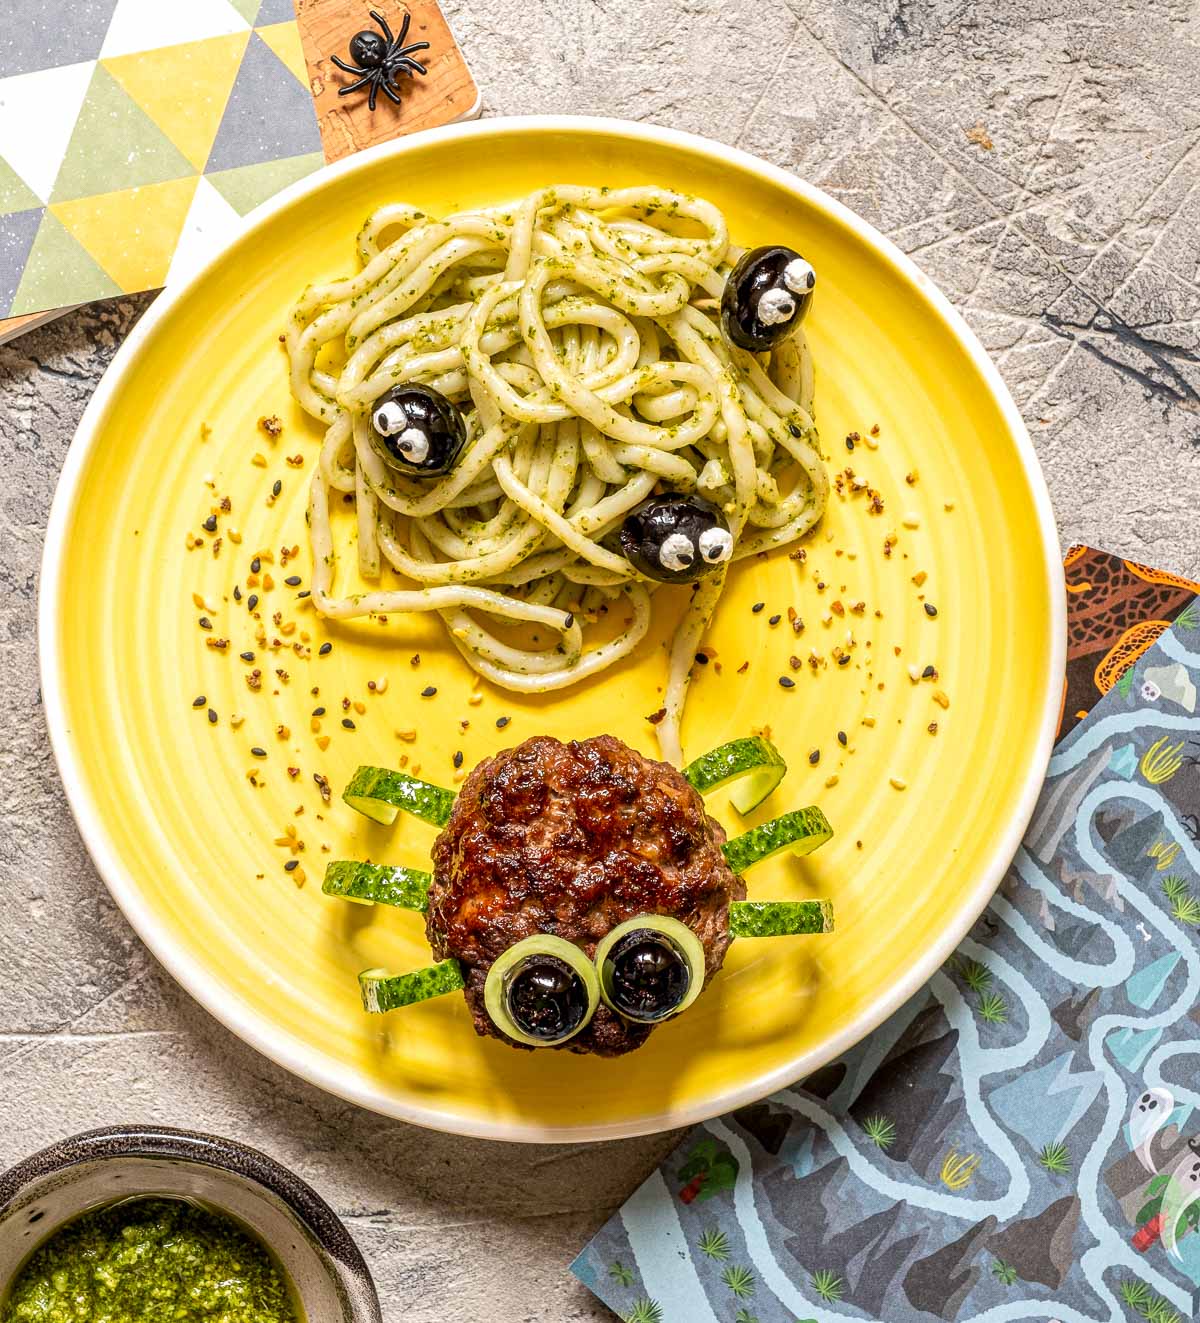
930	610
212	717
429	691
814	757
458	758
277	488
501	722
774	620
570	620
251	601
318	711
701	659
305	593
325	649
841	738
347	723
928	673
210	524
258	753
911	520
757	607
897	783
237	593
204	622
246	656
292	581
291	865
199	701
786	682
255	565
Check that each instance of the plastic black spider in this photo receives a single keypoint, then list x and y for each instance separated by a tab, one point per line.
378	59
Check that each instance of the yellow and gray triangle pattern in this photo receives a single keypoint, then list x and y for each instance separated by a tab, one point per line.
135	134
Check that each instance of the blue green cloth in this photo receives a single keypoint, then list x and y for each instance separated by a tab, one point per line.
1020	1141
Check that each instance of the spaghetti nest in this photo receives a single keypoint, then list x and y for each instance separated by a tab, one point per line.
578	332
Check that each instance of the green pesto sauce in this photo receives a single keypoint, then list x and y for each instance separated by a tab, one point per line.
158	1259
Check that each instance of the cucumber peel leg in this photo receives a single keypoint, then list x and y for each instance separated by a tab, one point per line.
382	884
380	793
779	918
800	832
382	991
754	766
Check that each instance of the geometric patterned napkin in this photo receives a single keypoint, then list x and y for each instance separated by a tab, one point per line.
135	133
1021	1140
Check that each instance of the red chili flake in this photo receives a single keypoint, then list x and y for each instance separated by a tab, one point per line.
655	717
743	668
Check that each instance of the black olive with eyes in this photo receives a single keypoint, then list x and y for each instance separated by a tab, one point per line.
676	538
417	431
646	976
766	297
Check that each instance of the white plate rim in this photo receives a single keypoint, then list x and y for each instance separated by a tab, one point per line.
257	1031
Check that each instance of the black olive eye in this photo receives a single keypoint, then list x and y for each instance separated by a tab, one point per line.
547	999
676	538
542	991
766	297
368	49
417	430
646	976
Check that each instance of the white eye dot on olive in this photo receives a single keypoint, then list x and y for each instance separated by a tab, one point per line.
766	297
542	991
716	545
389	418
661	536
650	968
417	431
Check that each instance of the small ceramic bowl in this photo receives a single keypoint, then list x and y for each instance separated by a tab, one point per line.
104	1166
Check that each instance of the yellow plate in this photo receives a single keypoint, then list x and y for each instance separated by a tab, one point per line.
185	841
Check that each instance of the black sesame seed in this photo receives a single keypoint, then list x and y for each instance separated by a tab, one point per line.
251	601
325	649
928	673
347	723
786	682
247	656
842	738
501	722
458	758
757	607
774	620
292	581
305	593
291	865
815	757
258	753
255	565
318	712
237	593
795	431
210	524
701	659
212	717
570	620
429	691
277	488
930	609
844	659
849	443
205	623
199	701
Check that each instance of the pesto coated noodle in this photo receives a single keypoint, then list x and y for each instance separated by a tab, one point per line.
578	333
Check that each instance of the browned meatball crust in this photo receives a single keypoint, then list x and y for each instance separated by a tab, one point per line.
573	839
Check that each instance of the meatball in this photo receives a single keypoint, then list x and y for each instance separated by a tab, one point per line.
573	839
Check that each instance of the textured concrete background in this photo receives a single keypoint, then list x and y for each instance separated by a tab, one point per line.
1037	157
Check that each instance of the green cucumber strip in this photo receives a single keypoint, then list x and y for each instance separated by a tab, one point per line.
380	794
383	884
755	764
382	991
779	918
801	832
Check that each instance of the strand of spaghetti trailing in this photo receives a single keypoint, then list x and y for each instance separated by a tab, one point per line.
577	331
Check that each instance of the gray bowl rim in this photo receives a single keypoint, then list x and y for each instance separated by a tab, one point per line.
140	1141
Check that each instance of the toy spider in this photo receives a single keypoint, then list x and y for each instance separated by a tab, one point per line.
378	59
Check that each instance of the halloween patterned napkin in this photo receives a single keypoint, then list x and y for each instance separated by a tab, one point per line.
1019	1140
135	134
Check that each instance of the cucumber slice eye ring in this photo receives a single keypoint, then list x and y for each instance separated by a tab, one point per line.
679	935
505	968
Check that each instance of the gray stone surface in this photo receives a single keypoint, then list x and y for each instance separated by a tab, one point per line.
1037	157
